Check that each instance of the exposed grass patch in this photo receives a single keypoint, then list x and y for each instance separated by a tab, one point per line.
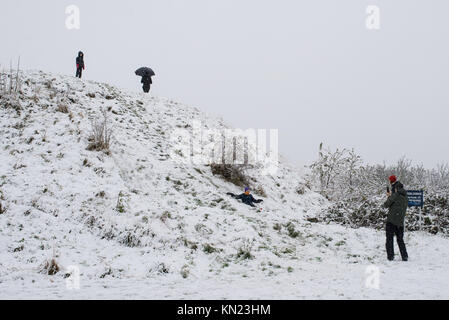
86	163
288	251
340	243
244	252
207	248
190	244
101	194
165	215
19	249
291	230
130	240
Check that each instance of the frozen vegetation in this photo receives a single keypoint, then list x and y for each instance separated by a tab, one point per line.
87	180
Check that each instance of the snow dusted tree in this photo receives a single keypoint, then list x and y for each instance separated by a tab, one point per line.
336	169
357	190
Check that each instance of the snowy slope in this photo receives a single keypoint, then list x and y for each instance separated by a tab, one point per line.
176	234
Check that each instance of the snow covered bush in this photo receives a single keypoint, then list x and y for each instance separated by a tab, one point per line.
335	170
234	173
233	156
357	191
100	138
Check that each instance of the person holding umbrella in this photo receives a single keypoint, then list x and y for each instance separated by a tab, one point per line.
146	74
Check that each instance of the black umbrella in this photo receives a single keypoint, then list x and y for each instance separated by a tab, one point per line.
144	71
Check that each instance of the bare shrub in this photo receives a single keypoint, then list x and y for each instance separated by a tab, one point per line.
11	83
36	93
50	267
130	240
10	88
63	101
62	108
230	154
100	138
234	173
3	82
2	209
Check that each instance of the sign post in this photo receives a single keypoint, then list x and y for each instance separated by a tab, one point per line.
416	199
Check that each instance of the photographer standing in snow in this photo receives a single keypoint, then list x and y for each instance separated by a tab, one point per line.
397	206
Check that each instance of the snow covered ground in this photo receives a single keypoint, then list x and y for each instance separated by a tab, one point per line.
139	225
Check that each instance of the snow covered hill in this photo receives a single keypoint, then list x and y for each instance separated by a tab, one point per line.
138	224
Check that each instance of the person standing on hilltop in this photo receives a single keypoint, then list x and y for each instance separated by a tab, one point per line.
146	80
146	74
397	206
80	64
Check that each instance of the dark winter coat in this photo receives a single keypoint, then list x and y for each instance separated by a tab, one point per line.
247	199
80	61
397	205
146	80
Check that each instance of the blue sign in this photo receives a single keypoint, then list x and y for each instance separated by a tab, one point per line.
415	198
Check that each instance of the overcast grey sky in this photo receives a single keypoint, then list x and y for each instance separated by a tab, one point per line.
308	68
